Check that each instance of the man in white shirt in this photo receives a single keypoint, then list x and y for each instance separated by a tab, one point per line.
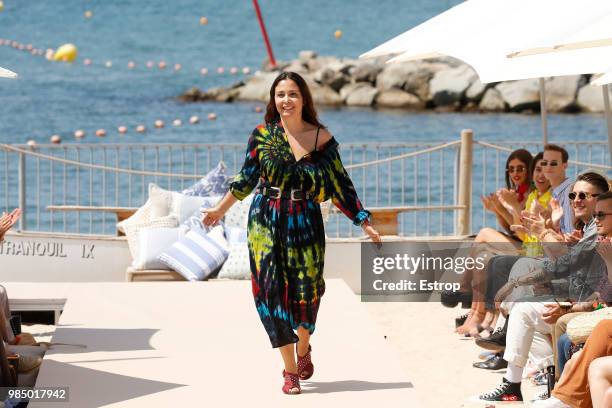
554	165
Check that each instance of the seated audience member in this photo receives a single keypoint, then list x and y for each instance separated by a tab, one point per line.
528	327
518	185
584	374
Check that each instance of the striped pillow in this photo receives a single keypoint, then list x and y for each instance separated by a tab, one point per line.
198	254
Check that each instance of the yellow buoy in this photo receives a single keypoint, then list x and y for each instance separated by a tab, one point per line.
66	53
338	33
1	5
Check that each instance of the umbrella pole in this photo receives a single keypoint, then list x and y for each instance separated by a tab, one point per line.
543	112
606	98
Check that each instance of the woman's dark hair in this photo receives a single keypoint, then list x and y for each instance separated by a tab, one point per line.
309	114
594	179
525	157
534	162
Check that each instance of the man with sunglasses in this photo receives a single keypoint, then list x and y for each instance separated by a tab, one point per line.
554	164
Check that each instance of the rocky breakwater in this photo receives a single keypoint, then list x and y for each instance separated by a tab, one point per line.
441	84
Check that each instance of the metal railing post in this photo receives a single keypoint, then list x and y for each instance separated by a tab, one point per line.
22	191
465	183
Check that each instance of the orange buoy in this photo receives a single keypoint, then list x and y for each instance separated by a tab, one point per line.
177	67
79	134
56	139
212	116
88	14
338	34
159	124
177	122
203	20
100	132
162	64
204	71
258	109
29	47
140	129
194	119
131	65
122	130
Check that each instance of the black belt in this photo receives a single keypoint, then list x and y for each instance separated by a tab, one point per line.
293	194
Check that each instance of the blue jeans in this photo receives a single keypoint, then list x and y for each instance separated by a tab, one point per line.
563	346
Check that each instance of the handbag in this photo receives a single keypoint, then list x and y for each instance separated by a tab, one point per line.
580	327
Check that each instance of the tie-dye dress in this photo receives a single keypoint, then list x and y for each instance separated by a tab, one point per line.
286	238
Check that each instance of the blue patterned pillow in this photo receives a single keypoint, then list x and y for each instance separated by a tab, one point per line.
198	254
215	183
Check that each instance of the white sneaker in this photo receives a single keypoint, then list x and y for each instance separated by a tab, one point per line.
552	402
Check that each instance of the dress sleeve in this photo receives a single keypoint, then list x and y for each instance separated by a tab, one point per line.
343	194
245	181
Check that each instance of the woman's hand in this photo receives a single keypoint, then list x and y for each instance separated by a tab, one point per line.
372	233
509	199
488	203
8	220
211	216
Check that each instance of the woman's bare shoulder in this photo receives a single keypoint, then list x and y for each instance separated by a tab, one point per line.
324	136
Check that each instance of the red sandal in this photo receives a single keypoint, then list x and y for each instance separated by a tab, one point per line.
292	383
304	364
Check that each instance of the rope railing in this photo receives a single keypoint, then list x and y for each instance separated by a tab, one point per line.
100	167
573	162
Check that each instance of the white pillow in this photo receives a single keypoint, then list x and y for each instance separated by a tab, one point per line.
235	235
238	214
184	206
157	206
141	215
132	231
195	220
161	201
198	254
152	242
237	265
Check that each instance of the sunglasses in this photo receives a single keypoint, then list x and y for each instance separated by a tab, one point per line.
601	215
552	163
517	169
583	196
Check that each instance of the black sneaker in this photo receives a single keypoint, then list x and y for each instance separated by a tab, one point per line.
506	392
494	363
496	341
451	299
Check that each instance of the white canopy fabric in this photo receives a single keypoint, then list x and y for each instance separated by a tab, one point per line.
603	79
483	32
595	31
5	73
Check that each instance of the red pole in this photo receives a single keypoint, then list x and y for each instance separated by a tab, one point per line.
265	34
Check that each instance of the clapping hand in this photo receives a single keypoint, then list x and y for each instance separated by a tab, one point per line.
7	220
556	214
509	200
534	223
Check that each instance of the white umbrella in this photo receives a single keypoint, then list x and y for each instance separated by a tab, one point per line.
5	73
482	33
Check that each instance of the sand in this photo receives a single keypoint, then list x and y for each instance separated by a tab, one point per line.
437	360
